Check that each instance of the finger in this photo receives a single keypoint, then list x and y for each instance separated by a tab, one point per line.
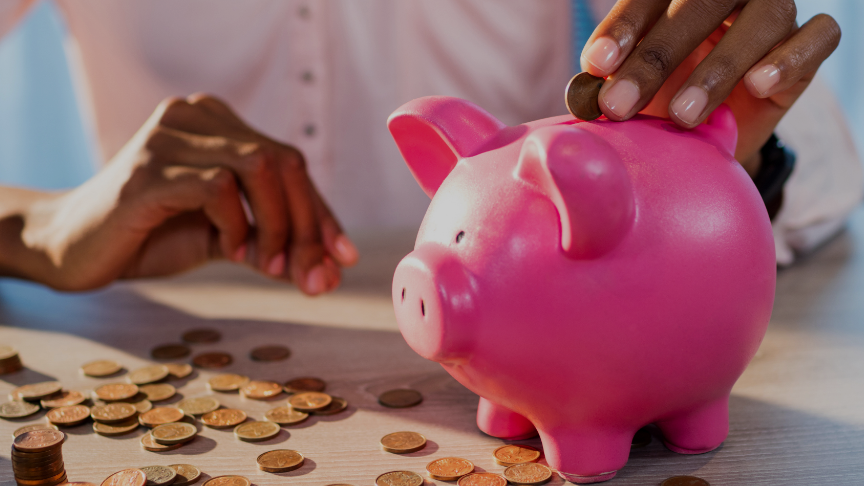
336	242
760	26
217	107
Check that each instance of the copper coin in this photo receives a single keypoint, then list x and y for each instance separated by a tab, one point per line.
158	391
113	413
581	96
285	415
228	481
28	428
68	416
260	390
224	418
400	398
684	481
148	374
176	433
305	384
449	468
213	360
151	445
199	405
78	483
38	440
17	409
116	391
337	405
143	406
103	367
403	442
36	391
161	415
196	336
227	382
270	353
126	477
399	478
63	399
642	438
186	474
528	473
256	431
482	479
280	460
115	429
310	401
159	475
179	370
7	352
511	454
170	351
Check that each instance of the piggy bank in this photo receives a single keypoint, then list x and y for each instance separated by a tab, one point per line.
585	279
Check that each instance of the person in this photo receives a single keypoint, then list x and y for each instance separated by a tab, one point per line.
300	91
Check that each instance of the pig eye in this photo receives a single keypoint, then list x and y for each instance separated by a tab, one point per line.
460	236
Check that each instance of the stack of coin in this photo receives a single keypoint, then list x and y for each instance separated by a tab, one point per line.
9	360
37	458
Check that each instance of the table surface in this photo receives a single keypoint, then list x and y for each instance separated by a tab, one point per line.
796	413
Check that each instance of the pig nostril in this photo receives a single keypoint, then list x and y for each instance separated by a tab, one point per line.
460	236
403	294
423	308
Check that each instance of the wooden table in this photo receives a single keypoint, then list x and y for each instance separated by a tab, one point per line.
797	415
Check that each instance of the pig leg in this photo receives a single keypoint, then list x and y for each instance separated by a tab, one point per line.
585	456
699	430
501	422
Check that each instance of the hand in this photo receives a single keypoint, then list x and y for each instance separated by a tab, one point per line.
696	54
173	198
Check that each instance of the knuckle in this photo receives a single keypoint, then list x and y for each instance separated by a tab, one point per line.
784	11
716	8
204	98
658	58
169	107
626	27
724	69
220	181
293	160
257	162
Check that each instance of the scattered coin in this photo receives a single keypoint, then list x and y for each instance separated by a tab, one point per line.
161	415
186	474
400	398
228	481
126	477
198	406
149	444
159	475
403	442
227	382
176	433
280	460
116	391
529	473
170	351
10	362
63	399
179	370
449	468
270	353
36	391
101	368
309	401
336	405
158	391
482	479
113	413
28	428
642	438
68	416
143	406
260	390
305	384
38	440
224	418
213	360
256	431
198	336
399	478
78	483
581	96
16	409
512	454
684	481
285	415
148	374
115	429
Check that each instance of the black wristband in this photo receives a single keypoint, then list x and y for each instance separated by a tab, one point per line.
775	169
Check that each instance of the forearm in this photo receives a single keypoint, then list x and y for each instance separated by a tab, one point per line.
20	209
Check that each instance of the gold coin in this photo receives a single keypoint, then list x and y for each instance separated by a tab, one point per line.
148	374
260	390
310	401
113	413
158	391
36	391
159	475
28	428
179	370
482	479
684	481
149	444
581	94
186	474
65	398
116	391
126	477
337	405
280	460
17	409
176	433
449	468
115	429
227	382
198	406
101	368
399	478
228	481
160	416
256	431
641	438
285	415
528	473
212	360
400	398
305	384
511	454
170	351
224	418
38	440
270	353
68	416
403	442
196	336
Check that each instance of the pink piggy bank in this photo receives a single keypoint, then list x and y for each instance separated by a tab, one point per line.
585	279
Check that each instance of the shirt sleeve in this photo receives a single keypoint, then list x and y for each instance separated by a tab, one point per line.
827	182
12	11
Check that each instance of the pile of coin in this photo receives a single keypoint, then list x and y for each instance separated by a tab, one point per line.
50	395
9	360
37	458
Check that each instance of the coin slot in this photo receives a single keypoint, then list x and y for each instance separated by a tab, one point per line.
460	236
422	308
403	294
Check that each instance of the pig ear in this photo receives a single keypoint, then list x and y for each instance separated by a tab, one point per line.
433	133
721	128
588	183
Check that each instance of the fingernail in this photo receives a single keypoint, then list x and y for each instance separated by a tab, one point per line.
764	79
602	54
621	97
276	265
240	253
316	280
690	104
347	251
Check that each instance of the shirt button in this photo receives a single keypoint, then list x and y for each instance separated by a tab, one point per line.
307	77
304	12
309	130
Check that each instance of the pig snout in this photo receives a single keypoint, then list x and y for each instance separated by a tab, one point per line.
435	303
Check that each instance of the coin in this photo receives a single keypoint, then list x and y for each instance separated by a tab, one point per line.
482	479
256	431
305	384
228	481
28	428
148	374
403	442
399	478
336	405
103	367
528	473
581	96
270	353
641	438
143	406
310	401
198	406
179	370
126	477
68	416
186	474
259	390
684	481
116	391
400	398
149	444
36	391
196	336
170	351
511	454
115	429
63	399
159	475
285	415
160	415
176	433
113	413
280	460
158	391
16	409
38	440
10	362
227	382
449	468
212	360
78	483
224	418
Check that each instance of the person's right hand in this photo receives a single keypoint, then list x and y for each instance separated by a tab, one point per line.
173	198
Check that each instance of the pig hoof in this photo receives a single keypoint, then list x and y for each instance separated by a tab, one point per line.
577	479
681	450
